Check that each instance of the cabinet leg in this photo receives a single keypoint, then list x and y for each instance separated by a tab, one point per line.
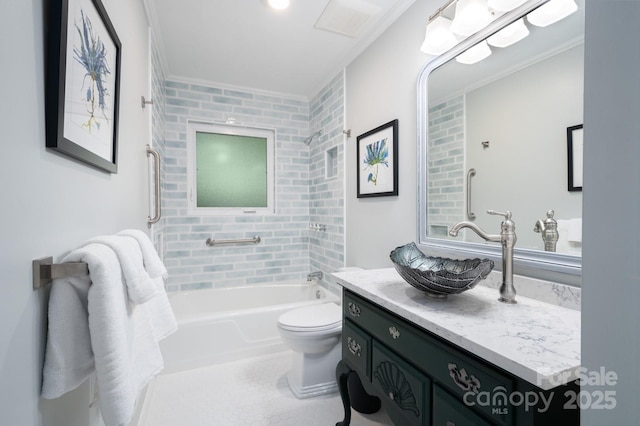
342	376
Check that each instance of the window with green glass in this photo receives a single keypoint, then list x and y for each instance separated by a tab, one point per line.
232	169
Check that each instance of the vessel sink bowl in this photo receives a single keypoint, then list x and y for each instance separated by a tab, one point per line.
438	276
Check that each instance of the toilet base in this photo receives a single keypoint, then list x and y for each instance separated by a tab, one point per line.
302	392
314	374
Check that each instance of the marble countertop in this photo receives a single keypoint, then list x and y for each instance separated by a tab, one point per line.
536	341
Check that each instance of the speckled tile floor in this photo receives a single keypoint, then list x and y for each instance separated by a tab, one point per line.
252	392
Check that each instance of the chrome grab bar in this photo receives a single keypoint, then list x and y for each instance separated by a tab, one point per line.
211	242
156	157
471	173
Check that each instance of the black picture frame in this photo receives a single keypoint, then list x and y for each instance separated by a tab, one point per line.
377	161
575	135
83	83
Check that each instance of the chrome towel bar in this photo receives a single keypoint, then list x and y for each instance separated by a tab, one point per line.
211	242
45	271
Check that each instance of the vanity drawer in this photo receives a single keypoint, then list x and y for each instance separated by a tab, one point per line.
448	411
473	383
405	391
356	349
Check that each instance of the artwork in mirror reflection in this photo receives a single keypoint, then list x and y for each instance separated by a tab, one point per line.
507	118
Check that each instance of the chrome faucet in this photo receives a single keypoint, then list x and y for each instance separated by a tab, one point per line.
549	230
507	238
314	275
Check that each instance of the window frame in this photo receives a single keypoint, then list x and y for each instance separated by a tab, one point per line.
194	127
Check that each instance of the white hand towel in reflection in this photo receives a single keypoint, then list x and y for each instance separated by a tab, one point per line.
92	324
574	233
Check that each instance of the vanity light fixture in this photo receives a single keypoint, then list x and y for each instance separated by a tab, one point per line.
438	38
552	12
510	34
471	16
278	4
474	54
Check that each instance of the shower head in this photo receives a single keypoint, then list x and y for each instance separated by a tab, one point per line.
308	140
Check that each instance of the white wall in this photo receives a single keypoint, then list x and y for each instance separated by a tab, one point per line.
381	86
528	144
50	203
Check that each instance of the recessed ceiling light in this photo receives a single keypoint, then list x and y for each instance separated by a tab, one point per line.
278	4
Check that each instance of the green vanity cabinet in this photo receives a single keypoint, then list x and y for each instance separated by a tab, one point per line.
356	349
402	388
449	411
423	380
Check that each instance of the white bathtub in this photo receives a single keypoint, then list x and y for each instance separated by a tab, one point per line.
220	325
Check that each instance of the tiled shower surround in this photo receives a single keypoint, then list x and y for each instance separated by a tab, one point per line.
326	178
289	248
446	165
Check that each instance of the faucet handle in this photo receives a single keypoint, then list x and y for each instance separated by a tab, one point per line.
507	214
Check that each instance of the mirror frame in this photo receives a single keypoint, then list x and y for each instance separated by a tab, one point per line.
528	262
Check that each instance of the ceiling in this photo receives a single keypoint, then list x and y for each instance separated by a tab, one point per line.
245	44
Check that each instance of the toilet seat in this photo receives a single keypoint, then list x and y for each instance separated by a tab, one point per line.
323	317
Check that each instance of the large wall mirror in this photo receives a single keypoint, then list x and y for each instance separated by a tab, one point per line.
495	134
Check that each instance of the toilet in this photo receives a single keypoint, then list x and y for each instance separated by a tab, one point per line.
313	333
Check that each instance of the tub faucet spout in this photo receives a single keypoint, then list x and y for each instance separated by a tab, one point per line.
507	238
314	275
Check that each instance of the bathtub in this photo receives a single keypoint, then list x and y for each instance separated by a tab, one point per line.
220	325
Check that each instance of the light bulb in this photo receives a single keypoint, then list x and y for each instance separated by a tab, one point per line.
471	16
438	38
278	4
510	34
551	12
474	54
505	5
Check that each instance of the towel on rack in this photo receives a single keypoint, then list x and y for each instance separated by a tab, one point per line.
94	326
564	244
152	263
575	230
162	316
140	287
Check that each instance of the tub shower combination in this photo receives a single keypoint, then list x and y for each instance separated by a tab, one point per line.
220	325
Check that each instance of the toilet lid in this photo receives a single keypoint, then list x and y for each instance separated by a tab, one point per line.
317	317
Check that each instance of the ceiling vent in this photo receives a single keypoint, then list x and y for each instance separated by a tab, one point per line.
347	17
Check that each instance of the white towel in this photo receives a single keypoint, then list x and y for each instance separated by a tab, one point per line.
164	322
564	245
152	263
93	325
574	234
160	313
68	355
140	288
